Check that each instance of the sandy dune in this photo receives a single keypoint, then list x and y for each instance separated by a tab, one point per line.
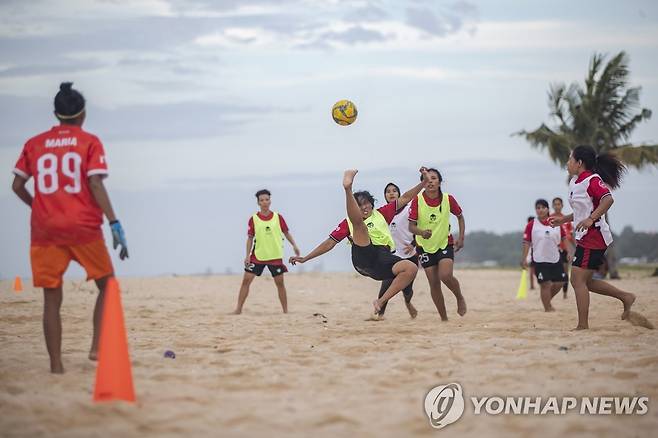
268	374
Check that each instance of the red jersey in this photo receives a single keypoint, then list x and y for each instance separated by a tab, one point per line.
343	230
597	190
251	232
64	211
455	209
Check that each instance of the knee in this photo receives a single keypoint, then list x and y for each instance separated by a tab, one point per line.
410	267
446	277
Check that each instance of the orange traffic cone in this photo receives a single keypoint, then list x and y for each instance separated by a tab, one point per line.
18	284
113	374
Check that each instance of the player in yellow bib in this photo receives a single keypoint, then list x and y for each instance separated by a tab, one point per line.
429	221
265	249
372	243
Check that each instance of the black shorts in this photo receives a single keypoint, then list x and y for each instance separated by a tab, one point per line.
428	259
374	261
550	272
258	268
586	258
563	257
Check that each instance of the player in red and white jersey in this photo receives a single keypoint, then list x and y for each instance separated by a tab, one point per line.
405	247
567	246
265	232
590	198
545	243
68	166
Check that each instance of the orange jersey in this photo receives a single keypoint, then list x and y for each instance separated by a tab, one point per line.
64	211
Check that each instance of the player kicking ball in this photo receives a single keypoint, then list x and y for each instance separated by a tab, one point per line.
372	243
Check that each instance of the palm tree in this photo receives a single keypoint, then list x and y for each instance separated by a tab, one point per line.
602	113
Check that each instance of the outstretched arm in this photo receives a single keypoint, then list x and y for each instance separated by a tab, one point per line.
555	221
18	186
322	248
414	191
292	242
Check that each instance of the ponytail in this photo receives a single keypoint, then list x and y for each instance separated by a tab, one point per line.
610	169
608	166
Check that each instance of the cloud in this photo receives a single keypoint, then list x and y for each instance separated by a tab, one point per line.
185	120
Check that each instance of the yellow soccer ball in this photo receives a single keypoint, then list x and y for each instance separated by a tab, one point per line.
344	112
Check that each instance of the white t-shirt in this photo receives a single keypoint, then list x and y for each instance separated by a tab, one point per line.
545	242
400	231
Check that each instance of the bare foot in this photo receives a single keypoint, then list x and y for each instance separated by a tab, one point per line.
57	368
348	178
236	312
639	320
444	319
580	327
375	317
377	306
628	300
550	309
412	310
461	306
564	295
93	355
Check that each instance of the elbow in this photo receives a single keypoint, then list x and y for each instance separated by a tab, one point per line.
18	185
95	182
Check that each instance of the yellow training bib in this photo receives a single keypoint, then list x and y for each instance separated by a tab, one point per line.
436	219
378	230
268	238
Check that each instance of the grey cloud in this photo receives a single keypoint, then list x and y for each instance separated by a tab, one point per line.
24	117
443	21
355	35
59	66
367	13
425	19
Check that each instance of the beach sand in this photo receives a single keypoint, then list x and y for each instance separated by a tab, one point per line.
267	374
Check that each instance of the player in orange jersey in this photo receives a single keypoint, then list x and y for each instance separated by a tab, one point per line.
68	166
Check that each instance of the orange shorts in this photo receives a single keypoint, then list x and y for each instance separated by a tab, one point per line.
50	262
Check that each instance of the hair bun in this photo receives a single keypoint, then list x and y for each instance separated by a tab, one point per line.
65	87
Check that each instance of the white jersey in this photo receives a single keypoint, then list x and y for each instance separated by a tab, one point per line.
400	231
583	206
545	242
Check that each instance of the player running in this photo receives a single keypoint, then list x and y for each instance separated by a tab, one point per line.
545	243
590	198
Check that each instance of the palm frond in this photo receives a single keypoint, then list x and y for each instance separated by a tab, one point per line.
637	156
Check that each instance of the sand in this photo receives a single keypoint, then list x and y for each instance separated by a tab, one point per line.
267	374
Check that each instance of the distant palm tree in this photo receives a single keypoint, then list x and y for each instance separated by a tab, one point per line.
603	114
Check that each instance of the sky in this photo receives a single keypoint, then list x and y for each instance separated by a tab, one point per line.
201	103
